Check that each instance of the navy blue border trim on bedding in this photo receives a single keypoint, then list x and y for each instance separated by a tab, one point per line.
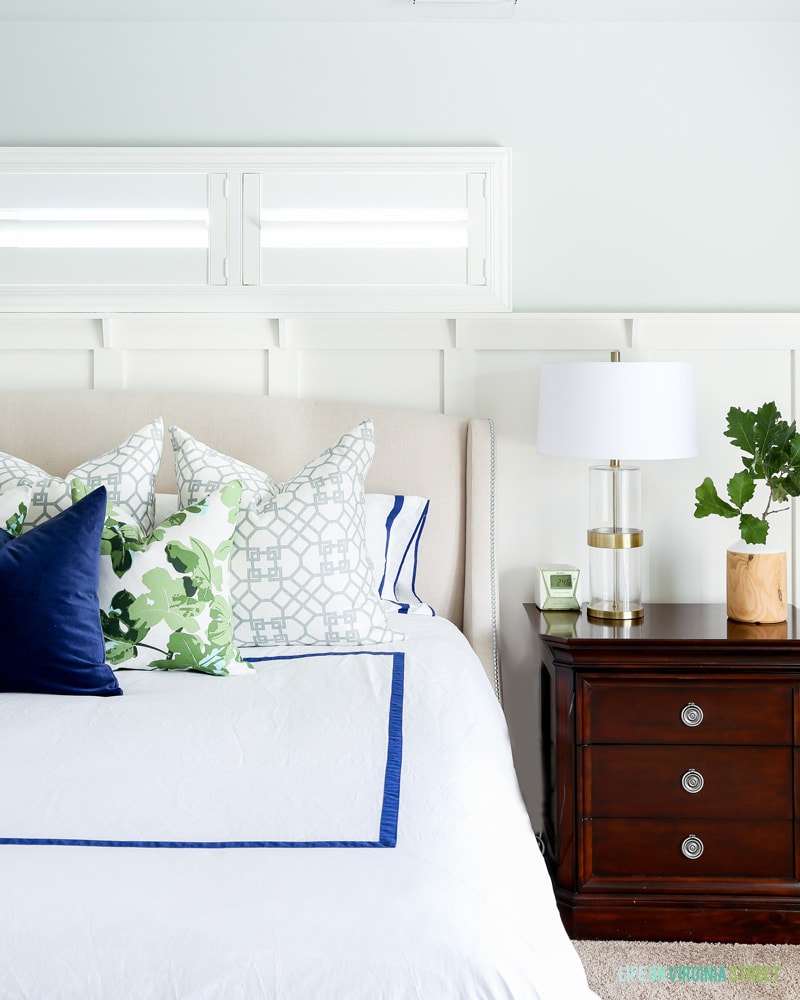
391	786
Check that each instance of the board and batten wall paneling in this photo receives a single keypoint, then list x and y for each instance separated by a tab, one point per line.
47	368
468	365
207	370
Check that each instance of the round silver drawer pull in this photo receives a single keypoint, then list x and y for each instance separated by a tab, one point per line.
692	847
692	782
691	714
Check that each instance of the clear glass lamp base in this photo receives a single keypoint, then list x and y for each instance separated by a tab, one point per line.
615	548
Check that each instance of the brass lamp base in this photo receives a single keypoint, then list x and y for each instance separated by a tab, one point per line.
610	611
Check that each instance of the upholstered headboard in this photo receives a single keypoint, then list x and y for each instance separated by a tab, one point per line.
448	459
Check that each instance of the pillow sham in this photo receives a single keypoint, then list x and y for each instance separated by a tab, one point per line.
165	597
13	508
128	472
394	526
51	638
301	572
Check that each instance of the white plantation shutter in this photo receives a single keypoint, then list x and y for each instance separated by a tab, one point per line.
273	228
364	227
95	228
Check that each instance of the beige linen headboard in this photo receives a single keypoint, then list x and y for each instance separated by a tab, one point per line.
448	459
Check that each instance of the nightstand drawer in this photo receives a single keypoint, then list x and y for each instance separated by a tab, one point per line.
655	849
637	710
683	782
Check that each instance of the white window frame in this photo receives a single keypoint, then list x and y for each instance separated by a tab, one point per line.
487	285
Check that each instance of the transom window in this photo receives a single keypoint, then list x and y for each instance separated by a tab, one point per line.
277	228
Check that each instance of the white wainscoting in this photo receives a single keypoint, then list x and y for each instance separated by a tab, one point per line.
470	364
484	365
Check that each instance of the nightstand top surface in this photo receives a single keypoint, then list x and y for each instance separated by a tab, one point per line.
664	623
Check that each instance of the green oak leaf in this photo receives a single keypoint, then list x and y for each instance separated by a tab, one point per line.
778	491
774	435
710	502
741	429
752	431
764	436
792	482
753	529
741	489
793	451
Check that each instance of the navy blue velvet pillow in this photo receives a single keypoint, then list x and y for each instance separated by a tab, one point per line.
51	641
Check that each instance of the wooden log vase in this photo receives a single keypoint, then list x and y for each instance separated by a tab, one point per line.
756	583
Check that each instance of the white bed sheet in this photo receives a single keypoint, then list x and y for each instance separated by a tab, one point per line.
460	908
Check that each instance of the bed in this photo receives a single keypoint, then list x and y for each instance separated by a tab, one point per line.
330	811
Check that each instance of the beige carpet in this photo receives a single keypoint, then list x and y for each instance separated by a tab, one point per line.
649	970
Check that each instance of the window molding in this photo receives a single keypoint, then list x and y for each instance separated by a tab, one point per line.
427	258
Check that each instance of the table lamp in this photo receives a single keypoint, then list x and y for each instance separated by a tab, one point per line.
632	410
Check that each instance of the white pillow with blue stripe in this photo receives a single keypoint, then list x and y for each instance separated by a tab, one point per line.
394	526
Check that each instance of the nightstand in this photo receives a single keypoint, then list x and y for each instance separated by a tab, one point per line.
672	774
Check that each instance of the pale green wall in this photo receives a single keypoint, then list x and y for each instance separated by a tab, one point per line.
655	166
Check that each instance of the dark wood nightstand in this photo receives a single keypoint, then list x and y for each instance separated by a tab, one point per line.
672	774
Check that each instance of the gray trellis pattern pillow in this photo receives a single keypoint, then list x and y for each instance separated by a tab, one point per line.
128	473
300	569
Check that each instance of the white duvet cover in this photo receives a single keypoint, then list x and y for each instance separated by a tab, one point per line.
332	827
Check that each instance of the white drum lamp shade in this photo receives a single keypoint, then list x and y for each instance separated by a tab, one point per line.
630	411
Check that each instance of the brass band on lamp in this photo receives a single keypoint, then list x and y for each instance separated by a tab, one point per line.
601	538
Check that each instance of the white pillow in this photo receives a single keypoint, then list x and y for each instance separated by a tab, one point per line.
166	504
128	473
300	568
394	527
